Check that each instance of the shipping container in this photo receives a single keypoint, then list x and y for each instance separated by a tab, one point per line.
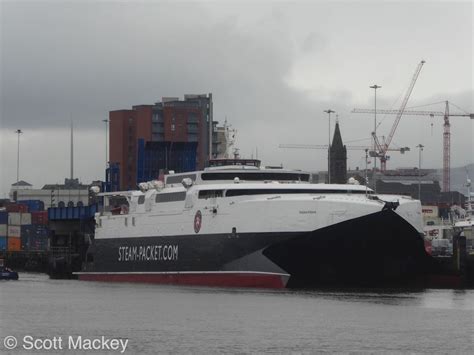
3	230
25	218
14	231
39	217
3	243
14	218
33	205
34	243
14	244
3	217
34	238
16	208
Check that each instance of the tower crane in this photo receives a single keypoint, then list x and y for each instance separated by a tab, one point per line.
350	147
446	134
382	148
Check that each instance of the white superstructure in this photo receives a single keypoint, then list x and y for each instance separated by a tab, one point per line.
243	199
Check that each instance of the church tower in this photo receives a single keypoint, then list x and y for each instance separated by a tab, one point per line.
338	153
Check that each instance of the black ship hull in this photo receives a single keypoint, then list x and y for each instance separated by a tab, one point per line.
380	248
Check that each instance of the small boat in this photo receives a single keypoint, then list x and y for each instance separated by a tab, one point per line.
8	274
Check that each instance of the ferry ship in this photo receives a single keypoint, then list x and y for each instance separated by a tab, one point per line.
246	226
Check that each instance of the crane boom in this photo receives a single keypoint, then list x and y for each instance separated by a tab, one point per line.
413	113
350	147
402	107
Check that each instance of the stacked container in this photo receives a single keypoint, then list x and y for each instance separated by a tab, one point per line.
34	237
21	230
40	218
16	220
14	237
3	230
17	208
33	205
34	232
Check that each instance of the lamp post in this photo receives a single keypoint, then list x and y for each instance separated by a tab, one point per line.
18	132
375	87
366	163
106	136
420	147
329	111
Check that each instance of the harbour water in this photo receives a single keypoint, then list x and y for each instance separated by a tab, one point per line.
174	319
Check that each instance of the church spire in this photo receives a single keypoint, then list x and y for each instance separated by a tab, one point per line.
337	139
338	158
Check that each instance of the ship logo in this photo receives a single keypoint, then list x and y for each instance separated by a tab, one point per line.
197	221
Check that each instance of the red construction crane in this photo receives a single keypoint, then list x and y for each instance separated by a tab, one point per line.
446	134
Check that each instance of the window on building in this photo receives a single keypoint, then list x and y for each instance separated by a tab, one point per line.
79	204
61	204
141	199
70	204
192	137
193	117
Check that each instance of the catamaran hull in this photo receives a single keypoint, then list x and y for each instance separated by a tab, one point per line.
379	248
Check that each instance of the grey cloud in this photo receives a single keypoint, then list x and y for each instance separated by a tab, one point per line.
86	59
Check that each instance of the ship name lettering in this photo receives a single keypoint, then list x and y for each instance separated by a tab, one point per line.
148	253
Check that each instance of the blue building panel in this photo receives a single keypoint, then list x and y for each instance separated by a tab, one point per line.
154	157
112	174
68	213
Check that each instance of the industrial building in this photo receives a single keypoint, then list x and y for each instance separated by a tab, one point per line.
70	194
172	134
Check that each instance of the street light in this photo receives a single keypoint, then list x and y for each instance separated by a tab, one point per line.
19	132
329	111
106	134
375	87
420	147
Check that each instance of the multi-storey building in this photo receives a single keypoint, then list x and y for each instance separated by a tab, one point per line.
172	134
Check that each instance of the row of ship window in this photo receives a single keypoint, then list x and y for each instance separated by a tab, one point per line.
247	176
205	194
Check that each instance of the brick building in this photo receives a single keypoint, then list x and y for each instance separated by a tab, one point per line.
176	131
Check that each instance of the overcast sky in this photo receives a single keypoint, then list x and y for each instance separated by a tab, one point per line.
272	66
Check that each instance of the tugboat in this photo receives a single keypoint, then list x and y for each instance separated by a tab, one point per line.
6	273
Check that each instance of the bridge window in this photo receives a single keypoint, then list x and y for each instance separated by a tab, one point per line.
211	193
177	179
244	192
170	197
257	176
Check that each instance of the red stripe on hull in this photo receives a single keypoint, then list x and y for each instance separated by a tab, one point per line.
217	279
